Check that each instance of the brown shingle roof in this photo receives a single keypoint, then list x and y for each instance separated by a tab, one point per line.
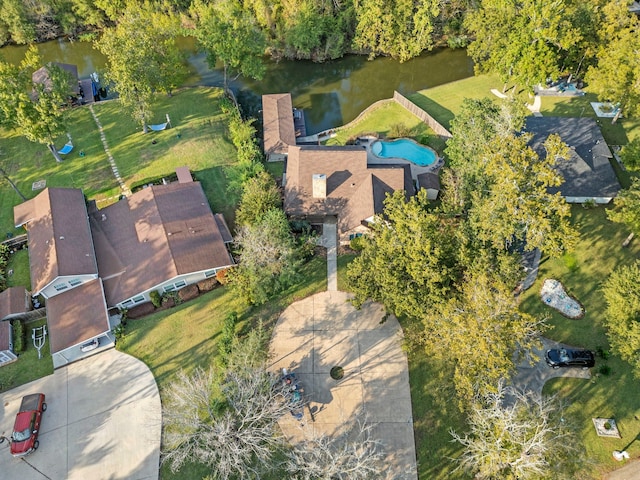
77	315
13	300
355	191
154	235
277	120
59	237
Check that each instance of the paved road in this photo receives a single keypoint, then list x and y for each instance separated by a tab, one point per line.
324	330
102	422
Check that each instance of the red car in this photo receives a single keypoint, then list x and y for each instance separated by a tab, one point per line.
24	438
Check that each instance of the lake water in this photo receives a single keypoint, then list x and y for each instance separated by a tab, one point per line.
331	93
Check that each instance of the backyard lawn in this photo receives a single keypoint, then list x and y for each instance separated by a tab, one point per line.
197	139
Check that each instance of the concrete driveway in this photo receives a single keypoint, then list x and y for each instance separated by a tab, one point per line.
103	421
323	331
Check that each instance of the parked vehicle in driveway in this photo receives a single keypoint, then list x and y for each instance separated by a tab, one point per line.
567	357
24	438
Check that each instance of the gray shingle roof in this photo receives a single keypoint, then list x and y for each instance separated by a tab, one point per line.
588	173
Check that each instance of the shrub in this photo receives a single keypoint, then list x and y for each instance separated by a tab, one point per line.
357	244
228	336
605	369
156	299
221	276
399	130
18	336
570	261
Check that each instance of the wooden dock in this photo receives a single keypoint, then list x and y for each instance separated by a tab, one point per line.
298	123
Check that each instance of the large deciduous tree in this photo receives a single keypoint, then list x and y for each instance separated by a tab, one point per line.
228	33
622	319
502	184
34	109
226	419
142	58
616	77
531	439
523	41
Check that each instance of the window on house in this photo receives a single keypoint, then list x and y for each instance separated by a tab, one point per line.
128	303
168	288
209	274
180	284
60	287
75	282
138	299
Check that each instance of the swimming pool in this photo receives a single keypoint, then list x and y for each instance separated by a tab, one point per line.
404	148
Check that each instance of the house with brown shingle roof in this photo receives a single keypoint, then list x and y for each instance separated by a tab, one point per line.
161	238
14	301
278	126
337	182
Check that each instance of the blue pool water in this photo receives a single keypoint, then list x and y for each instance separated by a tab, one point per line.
403	148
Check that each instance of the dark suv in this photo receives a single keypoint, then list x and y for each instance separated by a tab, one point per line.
566	357
24	438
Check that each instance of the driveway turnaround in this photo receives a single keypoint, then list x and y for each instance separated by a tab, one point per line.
103	422
531	378
324	331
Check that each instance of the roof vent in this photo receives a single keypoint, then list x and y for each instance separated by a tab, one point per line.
104	217
61	237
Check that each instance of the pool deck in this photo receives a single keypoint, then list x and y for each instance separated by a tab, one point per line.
373	159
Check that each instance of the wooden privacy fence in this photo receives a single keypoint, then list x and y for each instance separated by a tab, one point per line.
422	115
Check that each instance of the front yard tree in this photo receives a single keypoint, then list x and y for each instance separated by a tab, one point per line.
481	332
269	258
409	261
352	452
142	58
529	440
226	420
34	110
616	77
229	33
622	319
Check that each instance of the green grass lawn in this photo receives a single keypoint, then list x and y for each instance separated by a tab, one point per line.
198	140
19	264
186	336
380	121
28	367
615	395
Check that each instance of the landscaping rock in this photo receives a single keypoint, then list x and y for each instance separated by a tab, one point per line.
141	310
189	292
207	285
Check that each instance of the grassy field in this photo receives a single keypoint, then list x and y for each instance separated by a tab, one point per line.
186	336
197	139
611	396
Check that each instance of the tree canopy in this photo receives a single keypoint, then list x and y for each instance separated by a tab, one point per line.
622	319
34	109
142	58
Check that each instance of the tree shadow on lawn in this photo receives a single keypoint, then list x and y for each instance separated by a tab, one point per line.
433	108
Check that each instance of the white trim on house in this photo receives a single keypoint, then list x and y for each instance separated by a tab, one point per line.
171	285
64	283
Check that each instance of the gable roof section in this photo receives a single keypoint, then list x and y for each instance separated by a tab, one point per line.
154	235
355	190
76	316
13	300
277	120
588	172
60	241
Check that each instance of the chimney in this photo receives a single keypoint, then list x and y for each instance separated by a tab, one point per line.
319	185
